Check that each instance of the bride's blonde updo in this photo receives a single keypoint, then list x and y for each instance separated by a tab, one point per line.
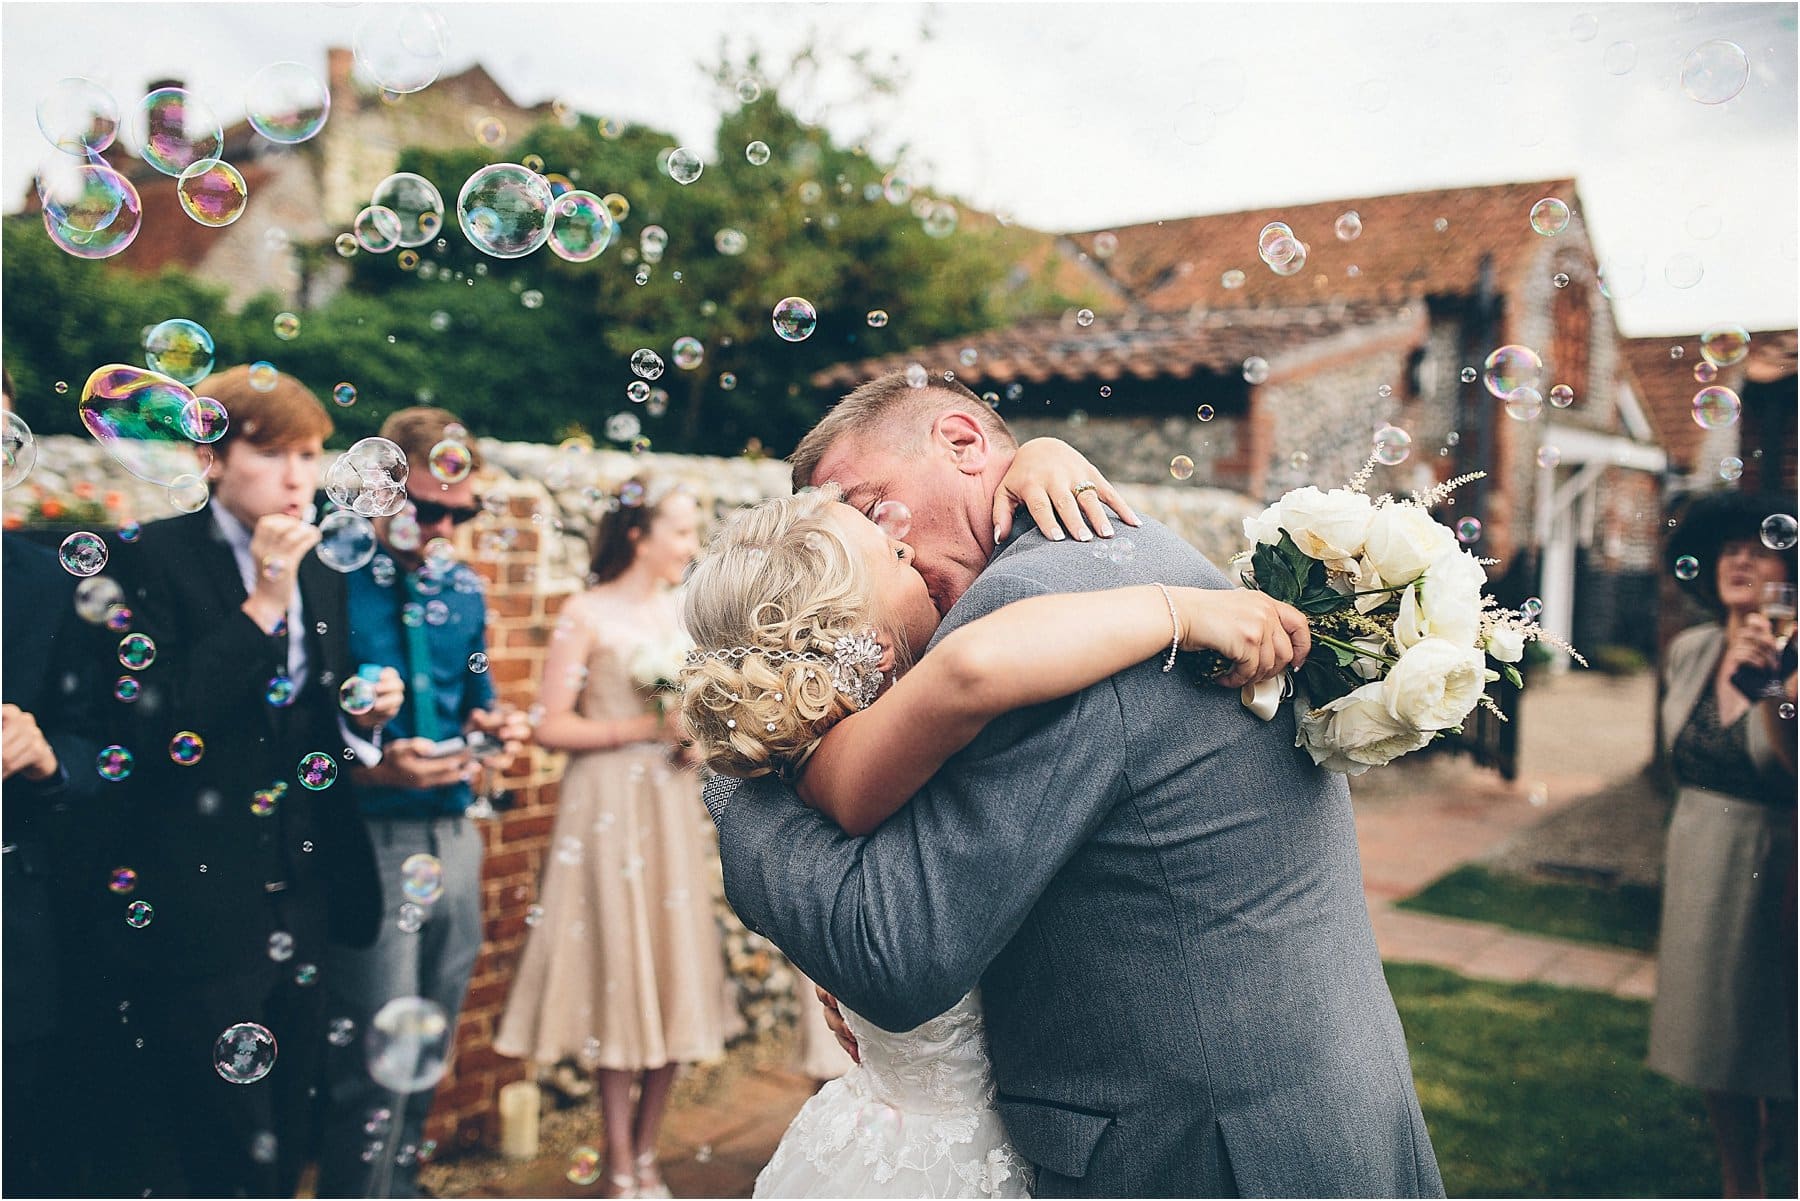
777	576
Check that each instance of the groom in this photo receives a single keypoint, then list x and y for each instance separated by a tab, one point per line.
1158	895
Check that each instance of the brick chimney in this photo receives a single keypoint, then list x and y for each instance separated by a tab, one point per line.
340	61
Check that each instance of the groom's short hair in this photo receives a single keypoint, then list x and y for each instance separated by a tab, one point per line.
889	402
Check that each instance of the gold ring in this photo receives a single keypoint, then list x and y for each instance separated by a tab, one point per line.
1085	486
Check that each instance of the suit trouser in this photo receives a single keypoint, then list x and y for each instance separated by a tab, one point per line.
364	1154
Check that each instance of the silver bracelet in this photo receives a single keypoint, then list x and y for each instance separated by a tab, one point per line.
1175	631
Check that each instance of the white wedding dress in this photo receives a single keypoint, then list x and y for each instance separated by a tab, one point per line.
914	1119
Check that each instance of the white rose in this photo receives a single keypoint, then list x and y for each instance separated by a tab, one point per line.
1434	685
1450	597
1506	643
1354	733
1265	526
1329	526
1402	542
1363	665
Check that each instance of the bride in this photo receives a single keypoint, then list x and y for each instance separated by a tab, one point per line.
806	616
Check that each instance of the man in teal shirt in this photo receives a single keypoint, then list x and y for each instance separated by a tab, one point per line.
415	608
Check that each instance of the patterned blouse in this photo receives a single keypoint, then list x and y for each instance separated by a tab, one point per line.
1717	758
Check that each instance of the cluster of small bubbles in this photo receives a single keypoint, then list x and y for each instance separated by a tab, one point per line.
687	353
1548	456
794	319
1716	407
584	1167
1687	567
1349	226
138	914
1256	369
1181	467
186	748
892	518
1714	72
1725	345
122	881
727	381
280	691
82	554
685	166
180	349
637	391
1560	279
1561	396
369	478
127	688
113	762
244	1053
408	1044
137	651
1468	529
1511	368
1392	445
1779	531
1550	216
213	193
317	770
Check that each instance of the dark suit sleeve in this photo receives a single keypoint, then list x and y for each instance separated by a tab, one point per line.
901	924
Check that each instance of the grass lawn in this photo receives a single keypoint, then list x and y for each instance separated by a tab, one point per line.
1530	1090
1625	916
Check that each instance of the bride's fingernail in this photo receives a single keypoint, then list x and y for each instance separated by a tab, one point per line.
1056	535
1085	536
1106	530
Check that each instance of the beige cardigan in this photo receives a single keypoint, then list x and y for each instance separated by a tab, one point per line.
1688	667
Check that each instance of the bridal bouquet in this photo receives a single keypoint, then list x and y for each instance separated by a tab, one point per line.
1402	632
656	667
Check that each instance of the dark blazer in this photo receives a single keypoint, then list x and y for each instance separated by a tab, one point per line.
222	877
54	830
1161	900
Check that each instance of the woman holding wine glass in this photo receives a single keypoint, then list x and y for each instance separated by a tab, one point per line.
1724	1018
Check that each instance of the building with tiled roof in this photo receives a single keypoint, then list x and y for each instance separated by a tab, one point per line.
1661	372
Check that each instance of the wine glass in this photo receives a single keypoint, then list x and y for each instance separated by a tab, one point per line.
1778	607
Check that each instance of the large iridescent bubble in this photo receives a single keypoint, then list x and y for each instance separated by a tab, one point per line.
1511	368
20	449
286	103
581	228
416	201
179	348
213	192
402	47
377	228
90	210
369	478
78	116
504	210
173	129
137	416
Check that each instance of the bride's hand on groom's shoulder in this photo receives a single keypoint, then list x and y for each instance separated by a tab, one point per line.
1062	491
1262	637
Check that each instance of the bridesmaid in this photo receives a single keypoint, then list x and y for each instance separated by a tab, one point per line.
625	969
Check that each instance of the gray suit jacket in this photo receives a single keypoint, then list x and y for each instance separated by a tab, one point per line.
1161	900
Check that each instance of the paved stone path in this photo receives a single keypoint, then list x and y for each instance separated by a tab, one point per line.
1414	823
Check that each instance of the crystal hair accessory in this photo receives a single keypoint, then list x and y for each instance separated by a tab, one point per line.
854	666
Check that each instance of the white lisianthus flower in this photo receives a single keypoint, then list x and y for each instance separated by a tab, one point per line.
1402	542
1329	526
1356	732
1265	527
1435	684
1506	643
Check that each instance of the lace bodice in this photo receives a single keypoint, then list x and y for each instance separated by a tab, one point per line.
914	1119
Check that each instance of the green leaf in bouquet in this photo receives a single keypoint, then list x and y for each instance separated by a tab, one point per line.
1512	675
1275	574
1325	682
1322	602
1343	654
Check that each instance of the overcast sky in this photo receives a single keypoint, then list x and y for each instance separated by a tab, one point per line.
1081	116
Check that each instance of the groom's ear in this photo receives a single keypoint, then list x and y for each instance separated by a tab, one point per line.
966	441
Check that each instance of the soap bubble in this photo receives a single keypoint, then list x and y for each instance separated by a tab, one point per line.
281	946
1620	58
877	318
186	748
623	427
244	1053
346	541
1731	468
356	695
83	554
581	227
127	688
173	129
795	319
78	116
113	763
401	47
139	913
688	353
478	663
1181	467
1525	404
1705	372
90	210
1511	368
122	881
1725	345
369	478
892	518
408	1044
422	878
1714	72
204	419
940	222
188	494
286	103
584	1167
1084	317
20	449
1779	531
450	462
646	363
286	326
730	242
281	691
504	210
417	203
652	241
1716	407
1562	396
377	229
1349	226
317	770
137	651
180	349
757	153
346	245
1687	567
1256	369
917	376
136	415
1468	529
344	395
1392	445
1548	456
1550	216
685	166
1204	412
93	597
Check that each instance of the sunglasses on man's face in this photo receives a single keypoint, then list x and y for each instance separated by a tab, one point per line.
429	512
